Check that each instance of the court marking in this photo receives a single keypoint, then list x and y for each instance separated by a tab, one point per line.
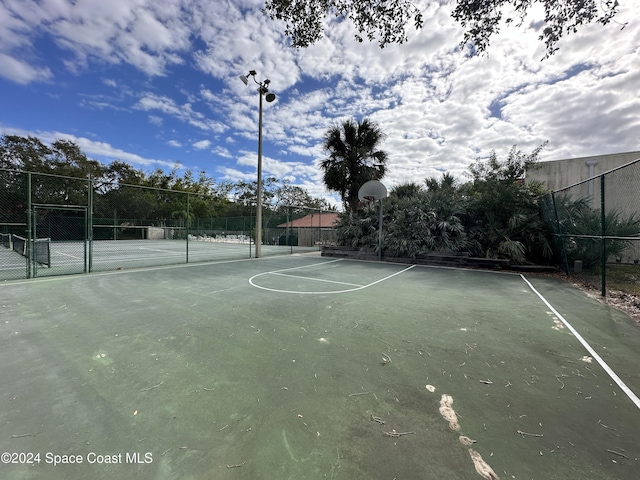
67	255
317	279
172	252
356	287
623	386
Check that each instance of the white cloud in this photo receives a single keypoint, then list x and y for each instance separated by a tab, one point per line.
222	152
184	112
202	144
148	35
235	175
22	72
439	108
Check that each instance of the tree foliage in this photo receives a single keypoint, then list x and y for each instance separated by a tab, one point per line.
415	221
494	214
580	227
482	18
387	20
503	213
63	175
423	223
62	157
353	159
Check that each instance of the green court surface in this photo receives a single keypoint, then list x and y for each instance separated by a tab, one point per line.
303	367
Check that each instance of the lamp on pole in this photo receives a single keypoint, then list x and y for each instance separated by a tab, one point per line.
263	89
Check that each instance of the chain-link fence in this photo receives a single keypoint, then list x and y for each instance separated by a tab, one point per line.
596	227
54	225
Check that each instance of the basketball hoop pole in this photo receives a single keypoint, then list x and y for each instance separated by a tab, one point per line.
380	233
371	191
371	199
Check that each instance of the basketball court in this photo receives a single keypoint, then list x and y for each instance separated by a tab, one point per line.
300	366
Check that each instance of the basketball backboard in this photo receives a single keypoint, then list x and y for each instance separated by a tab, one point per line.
372	190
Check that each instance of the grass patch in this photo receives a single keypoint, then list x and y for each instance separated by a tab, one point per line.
622	285
625	278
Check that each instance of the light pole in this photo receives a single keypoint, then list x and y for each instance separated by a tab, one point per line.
263	89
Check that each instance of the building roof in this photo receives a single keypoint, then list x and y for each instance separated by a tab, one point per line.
313	220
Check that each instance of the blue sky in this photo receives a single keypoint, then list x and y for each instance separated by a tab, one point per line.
156	84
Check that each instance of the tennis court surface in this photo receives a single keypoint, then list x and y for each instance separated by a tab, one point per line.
303	367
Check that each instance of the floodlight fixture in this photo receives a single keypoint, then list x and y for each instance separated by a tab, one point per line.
263	89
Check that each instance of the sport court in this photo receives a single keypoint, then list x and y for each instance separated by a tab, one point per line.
70	257
301	366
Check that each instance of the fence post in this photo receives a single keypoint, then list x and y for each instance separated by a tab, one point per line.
187	227
29	232
603	229
89	224
559	237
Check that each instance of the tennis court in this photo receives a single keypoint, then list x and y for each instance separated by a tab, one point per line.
301	366
68	257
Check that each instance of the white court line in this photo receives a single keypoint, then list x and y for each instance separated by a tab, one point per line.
632	396
68	255
316	279
302	266
359	287
173	252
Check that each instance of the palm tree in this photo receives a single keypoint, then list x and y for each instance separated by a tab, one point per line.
353	160
407	190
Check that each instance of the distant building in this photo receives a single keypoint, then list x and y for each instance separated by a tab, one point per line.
313	229
323	219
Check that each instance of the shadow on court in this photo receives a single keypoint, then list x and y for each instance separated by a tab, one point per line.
303	367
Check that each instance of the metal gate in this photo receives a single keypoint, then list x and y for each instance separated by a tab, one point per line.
60	241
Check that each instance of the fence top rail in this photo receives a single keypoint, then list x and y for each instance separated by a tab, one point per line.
58	206
92	179
44	174
597	176
597	237
138	226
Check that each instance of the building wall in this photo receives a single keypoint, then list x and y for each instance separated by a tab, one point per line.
558	174
622	186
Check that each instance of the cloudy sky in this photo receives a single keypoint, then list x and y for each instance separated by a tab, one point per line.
156	84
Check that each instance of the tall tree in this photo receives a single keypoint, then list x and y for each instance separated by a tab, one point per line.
387	20
503	215
287	196
68	159
24	153
354	158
